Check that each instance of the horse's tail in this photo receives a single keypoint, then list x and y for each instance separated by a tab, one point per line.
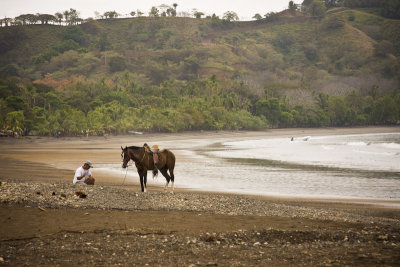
155	172
171	160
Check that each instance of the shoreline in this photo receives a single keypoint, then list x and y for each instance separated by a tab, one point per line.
39	165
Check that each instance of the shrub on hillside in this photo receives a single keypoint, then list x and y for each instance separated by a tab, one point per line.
117	63
74	33
9	70
311	52
351	16
391	9
11	37
384	48
334	22
92	26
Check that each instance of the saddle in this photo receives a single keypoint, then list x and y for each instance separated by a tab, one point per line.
154	151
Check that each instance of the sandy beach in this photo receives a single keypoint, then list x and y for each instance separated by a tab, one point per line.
46	220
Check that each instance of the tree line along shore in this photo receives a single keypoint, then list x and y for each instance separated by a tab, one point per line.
321	63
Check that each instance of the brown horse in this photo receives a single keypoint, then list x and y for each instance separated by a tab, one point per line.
144	162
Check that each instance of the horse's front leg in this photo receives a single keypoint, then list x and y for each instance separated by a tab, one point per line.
141	181
145	181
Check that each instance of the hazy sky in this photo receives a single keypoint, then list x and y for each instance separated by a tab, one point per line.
86	8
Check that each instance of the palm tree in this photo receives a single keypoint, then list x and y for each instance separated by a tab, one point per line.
59	17
154	12
66	15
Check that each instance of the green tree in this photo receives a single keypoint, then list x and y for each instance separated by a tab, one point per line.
271	109
59	16
230	16
385	110
317	9
111	14
73	17
292	6
52	101
257	17
311	51
15	121
46	18
22	18
40	125
32	18
9	70
117	63
391	9
53	124
95	122
198	14
75	33
191	66
72	120
337	110
15	102
103	44
154	12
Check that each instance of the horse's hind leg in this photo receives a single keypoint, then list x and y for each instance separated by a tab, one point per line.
167	177
171	172
141	182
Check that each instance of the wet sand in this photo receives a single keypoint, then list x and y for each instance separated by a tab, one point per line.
68	153
198	232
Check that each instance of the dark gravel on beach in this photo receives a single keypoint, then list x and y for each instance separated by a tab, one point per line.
186	229
66	195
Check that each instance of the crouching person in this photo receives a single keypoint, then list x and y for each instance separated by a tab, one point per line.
83	174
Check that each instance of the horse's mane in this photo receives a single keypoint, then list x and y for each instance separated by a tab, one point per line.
134	147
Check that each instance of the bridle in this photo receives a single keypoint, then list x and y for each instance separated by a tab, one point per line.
123	157
140	162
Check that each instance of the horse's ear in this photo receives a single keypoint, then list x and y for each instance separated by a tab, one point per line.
122	148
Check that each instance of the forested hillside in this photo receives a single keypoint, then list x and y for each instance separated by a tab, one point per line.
307	66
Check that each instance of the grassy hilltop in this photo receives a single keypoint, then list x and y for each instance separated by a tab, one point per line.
175	73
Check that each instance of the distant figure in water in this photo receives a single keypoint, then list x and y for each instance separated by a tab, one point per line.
304	138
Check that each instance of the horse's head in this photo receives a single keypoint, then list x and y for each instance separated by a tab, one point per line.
125	157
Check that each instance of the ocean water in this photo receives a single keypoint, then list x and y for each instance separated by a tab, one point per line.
338	166
364	166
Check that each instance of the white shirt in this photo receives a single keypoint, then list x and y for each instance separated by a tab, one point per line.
81	172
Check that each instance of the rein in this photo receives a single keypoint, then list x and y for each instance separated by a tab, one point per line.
125	175
144	154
